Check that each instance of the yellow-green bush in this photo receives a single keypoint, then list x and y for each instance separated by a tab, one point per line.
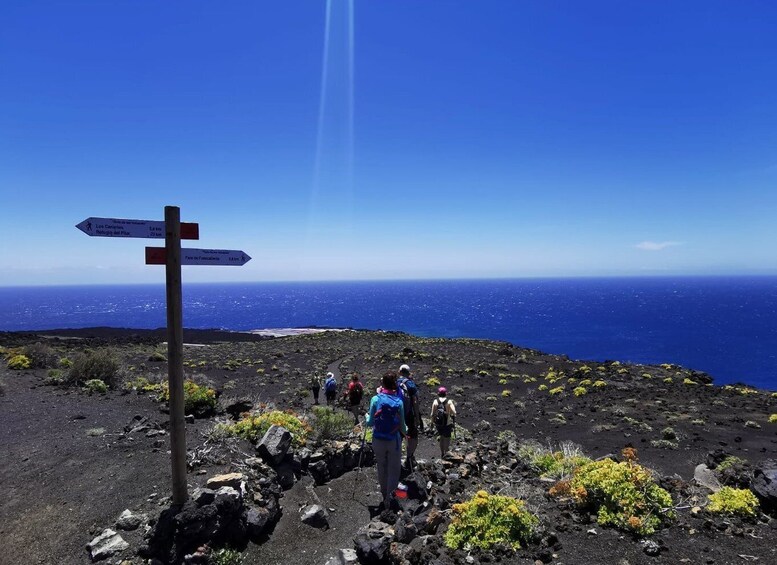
624	495
580	391
19	362
506	393
599	384
555	391
542	387
687	381
773	418
196	398
488	519
432	381
734	501
254	426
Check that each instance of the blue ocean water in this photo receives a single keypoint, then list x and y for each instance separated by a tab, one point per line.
724	326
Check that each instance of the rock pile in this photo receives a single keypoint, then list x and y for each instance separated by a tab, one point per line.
226	513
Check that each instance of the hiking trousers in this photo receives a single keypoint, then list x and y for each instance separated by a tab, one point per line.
388	460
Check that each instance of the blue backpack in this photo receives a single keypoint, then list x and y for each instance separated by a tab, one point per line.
330	385
387	421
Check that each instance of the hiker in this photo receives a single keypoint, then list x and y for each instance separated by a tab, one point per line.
409	393
386	417
444	418
315	386
353	397
330	390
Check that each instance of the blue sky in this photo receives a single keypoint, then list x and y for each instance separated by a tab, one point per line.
451	139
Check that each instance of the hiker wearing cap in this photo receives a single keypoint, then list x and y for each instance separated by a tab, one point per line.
315	386
386	417
330	390
444	418
409	392
353	397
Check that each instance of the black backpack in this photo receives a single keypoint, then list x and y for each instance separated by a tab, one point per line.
441	415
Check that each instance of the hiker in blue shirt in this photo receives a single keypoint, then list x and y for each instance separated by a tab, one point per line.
386	417
330	390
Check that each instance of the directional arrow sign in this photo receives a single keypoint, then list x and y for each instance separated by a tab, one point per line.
118	227
158	256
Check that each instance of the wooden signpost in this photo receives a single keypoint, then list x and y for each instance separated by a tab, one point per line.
172	256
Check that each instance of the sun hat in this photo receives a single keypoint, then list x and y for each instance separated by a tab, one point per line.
330	375
442	390
404	368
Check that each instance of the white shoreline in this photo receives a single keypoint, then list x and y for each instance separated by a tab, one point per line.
286	332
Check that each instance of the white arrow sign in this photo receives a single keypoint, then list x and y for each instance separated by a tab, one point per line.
213	257
158	255
119	227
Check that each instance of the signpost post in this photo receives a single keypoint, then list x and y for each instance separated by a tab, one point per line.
175	352
172	256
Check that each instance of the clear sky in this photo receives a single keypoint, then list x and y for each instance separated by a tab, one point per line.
434	140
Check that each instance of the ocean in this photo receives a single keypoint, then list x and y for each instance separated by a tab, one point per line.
726	326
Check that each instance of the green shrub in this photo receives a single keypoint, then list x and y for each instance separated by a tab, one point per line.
331	425
687	381
773	418
19	362
432	381
488	519
506	393
54	377
552	464
95	385
143	384
556	391
728	462
100	364
157	357
664	444
226	556
733	501
254	426
197	399
65	363
599	384
580	391
624	495
41	356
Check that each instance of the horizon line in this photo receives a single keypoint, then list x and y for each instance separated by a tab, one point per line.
441	279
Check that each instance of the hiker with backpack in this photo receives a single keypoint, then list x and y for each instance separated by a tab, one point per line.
315	386
444	418
386	417
330	390
353	397
409	392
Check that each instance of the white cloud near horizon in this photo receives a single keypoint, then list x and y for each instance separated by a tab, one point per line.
656	245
